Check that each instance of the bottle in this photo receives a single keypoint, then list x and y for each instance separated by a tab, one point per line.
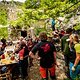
3	56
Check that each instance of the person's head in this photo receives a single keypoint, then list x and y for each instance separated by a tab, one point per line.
43	36
74	38
29	40
69	30
22	45
17	45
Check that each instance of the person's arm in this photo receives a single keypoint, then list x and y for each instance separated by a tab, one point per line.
76	61
31	55
33	51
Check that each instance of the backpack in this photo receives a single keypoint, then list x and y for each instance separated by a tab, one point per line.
46	54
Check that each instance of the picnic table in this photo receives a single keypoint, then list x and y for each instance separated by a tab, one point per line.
8	59
9	64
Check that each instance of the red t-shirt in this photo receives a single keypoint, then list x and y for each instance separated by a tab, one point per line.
21	53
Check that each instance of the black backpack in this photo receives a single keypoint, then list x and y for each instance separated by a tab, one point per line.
46	54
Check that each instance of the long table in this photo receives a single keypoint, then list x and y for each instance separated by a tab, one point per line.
9	67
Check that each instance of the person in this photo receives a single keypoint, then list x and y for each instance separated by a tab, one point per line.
2	56
77	48
65	49
1	52
52	24
47	56
62	32
75	57
17	48
50	39
30	45
3	40
23	59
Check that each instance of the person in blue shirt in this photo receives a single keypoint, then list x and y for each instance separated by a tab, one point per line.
53	24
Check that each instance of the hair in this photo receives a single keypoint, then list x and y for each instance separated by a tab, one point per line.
75	37
43	36
22	45
69	30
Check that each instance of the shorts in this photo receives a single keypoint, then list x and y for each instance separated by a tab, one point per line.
43	71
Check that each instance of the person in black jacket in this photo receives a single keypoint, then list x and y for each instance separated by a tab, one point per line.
65	49
47	56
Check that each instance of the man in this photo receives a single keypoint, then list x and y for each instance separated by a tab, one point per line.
65	48
47	55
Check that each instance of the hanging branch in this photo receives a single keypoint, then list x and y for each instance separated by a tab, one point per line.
70	6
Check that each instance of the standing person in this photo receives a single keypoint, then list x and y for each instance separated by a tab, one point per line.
23	59
30	46
65	49
53	24
74	57
47	56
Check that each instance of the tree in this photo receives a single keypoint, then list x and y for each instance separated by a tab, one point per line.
43	9
3	16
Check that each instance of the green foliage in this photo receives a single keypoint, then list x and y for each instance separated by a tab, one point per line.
35	10
3	32
48	8
3	16
73	1
77	27
38	30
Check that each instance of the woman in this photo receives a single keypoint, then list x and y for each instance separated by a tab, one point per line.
73	56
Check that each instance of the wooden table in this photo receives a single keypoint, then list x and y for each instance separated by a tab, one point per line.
9	67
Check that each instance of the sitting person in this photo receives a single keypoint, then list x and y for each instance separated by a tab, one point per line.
3	40
1	52
3	69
